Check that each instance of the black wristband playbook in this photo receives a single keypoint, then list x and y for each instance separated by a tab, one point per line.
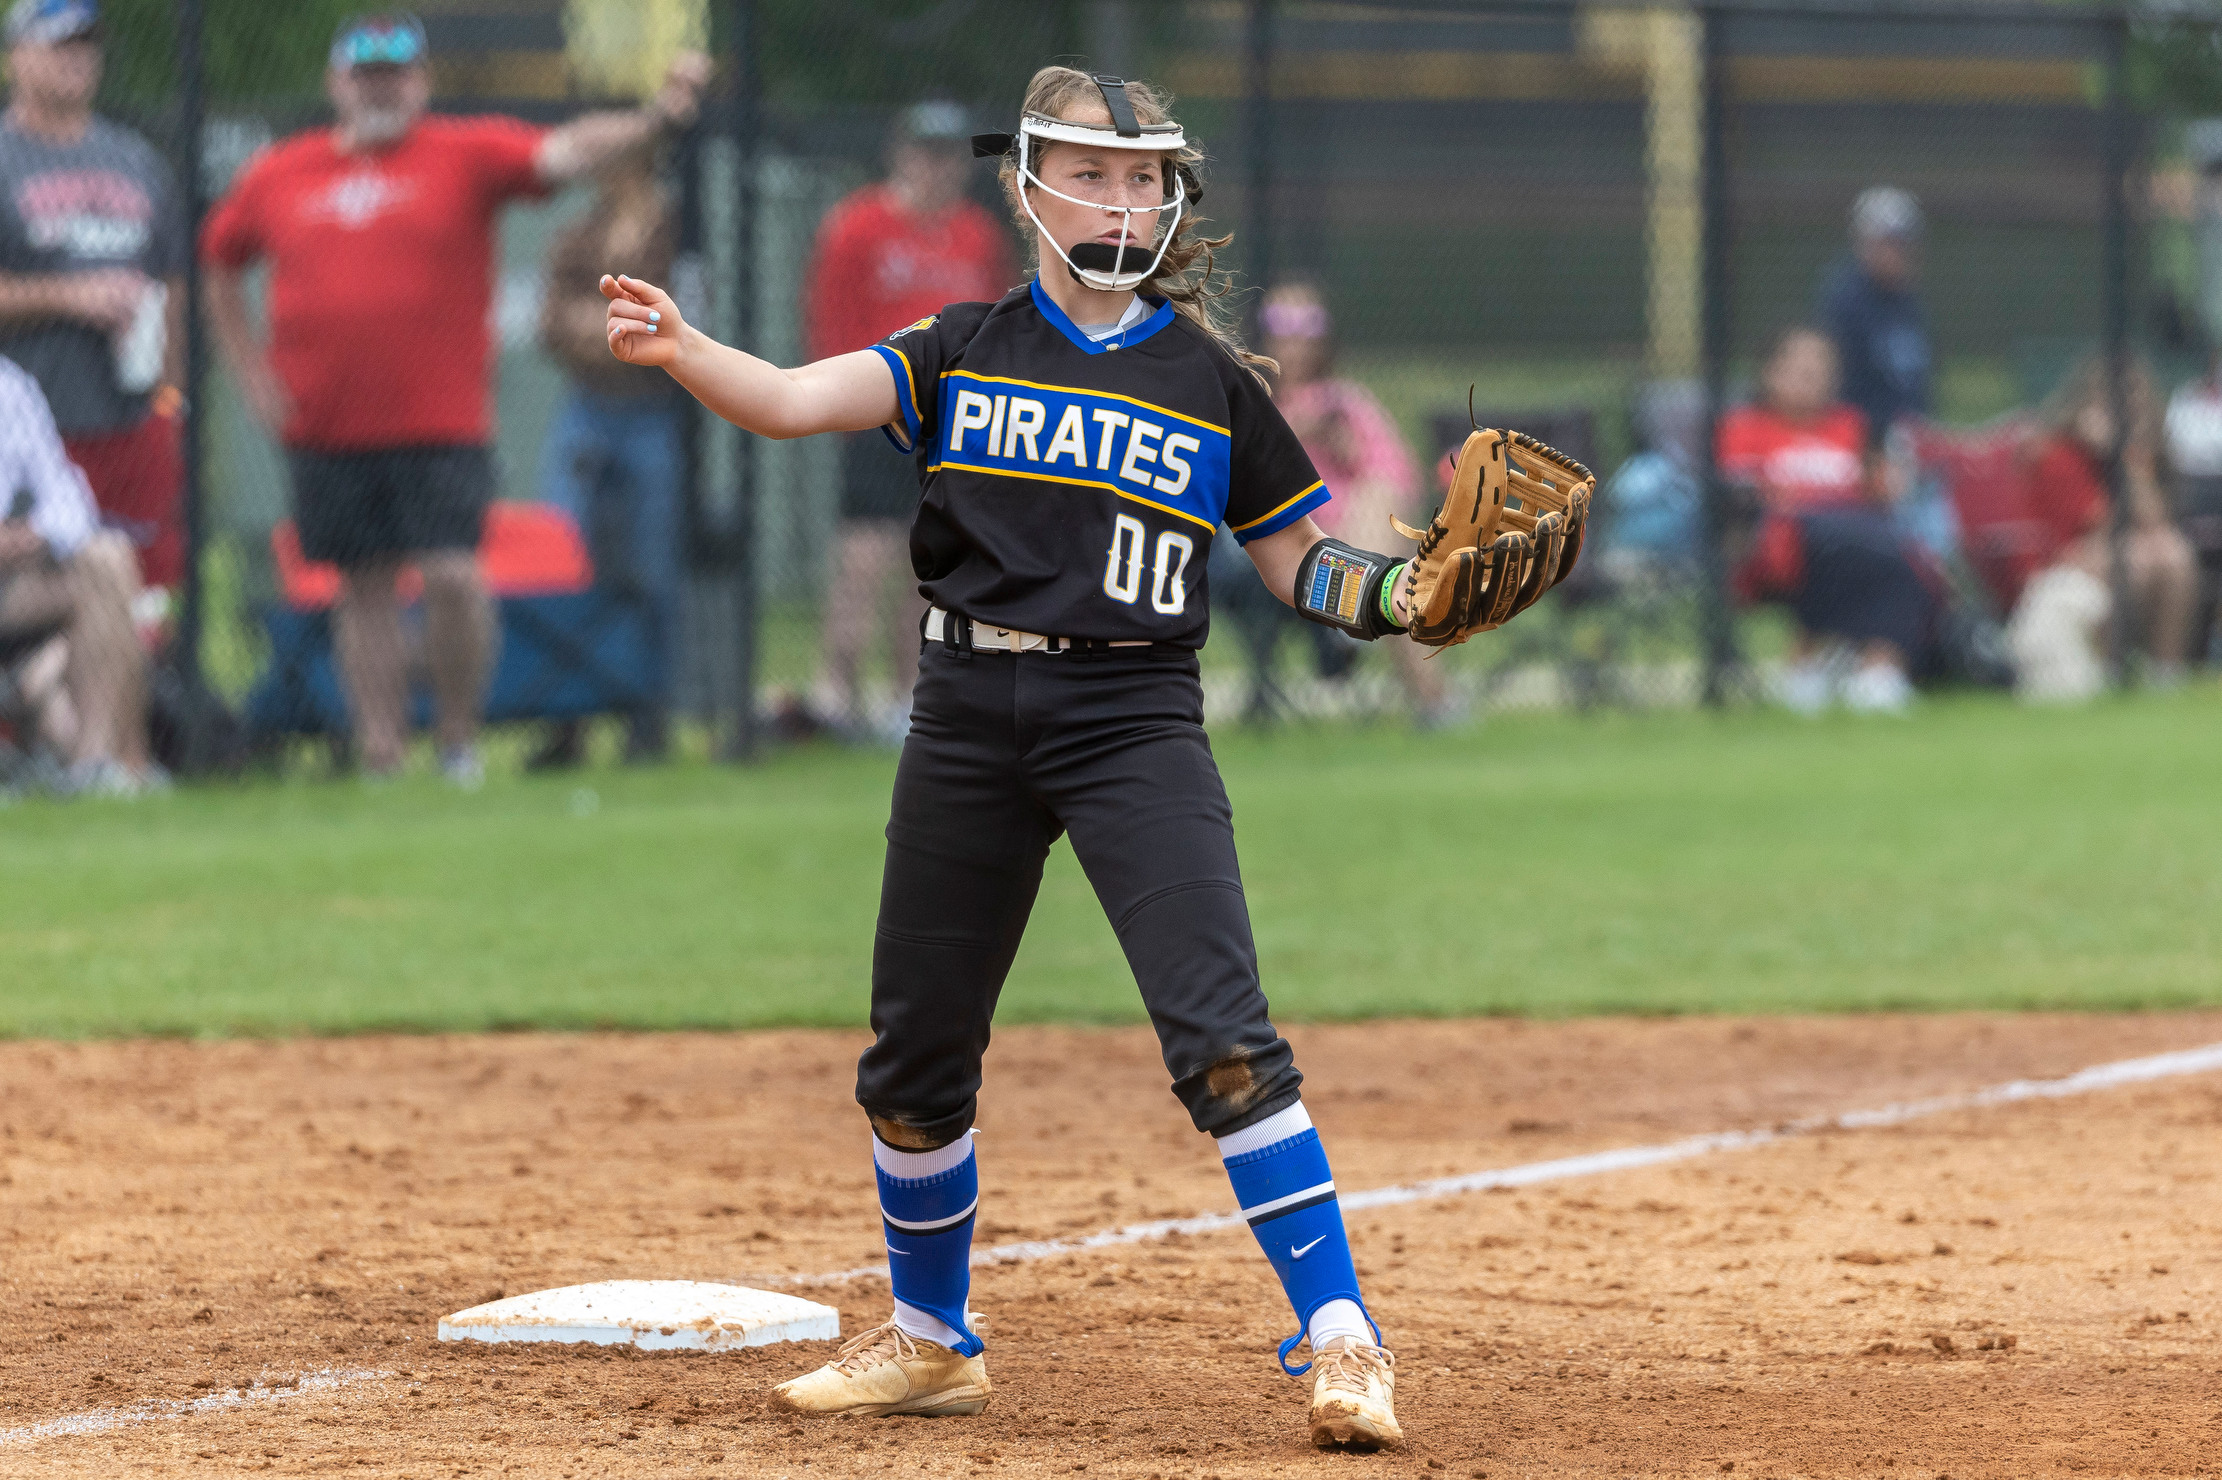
1339	586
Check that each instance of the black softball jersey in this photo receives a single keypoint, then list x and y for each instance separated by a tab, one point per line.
1072	486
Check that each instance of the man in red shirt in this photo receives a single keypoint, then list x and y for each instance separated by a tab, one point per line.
380	234
888	255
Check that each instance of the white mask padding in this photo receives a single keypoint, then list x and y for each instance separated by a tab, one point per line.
1168	138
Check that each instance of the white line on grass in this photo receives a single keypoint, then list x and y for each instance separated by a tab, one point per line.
1623	1159
99	1420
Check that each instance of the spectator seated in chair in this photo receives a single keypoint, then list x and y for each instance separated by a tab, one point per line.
2032	500
74	665
1822	541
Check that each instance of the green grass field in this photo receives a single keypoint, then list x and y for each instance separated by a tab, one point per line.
1976	856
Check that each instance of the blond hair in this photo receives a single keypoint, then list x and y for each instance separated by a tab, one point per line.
1186	276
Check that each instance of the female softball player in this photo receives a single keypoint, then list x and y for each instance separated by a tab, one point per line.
1078	443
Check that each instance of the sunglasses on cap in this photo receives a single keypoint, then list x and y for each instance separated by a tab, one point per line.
387	42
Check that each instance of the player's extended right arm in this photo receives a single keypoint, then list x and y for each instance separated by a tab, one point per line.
848	393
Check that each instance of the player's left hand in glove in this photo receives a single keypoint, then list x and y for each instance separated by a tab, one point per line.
1482	561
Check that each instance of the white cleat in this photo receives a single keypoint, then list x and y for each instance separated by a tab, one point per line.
1354	1397
887	1371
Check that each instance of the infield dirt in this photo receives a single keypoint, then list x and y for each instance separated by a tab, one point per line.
2019	1290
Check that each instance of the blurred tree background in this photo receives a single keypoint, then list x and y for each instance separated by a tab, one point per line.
254	49
971	49
2176	68
262	50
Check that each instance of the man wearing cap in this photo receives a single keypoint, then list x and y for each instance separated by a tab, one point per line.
380	234
1872	312
887	255
92	253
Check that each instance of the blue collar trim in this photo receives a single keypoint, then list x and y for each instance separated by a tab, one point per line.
1120	340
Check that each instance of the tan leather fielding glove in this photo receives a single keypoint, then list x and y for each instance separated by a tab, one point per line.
1509	529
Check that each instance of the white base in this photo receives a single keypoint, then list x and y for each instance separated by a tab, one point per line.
655	1315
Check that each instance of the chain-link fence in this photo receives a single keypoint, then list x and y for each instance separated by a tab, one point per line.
1600	224
357	468
1810	284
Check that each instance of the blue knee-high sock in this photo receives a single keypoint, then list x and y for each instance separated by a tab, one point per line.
929	1242
1288	1195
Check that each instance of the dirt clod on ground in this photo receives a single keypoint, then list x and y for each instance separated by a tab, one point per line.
245	1248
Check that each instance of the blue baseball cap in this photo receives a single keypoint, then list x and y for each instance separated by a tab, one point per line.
51	22
392	40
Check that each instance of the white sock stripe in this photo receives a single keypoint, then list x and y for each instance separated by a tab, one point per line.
1253	1214
914	1165
1278	1126
932	1225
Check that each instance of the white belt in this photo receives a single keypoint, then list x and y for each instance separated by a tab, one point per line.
1005	640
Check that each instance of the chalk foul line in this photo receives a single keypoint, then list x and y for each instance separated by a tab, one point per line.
1629	1158
99	1420
1623	1159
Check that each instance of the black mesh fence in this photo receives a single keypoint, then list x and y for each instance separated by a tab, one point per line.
1886	330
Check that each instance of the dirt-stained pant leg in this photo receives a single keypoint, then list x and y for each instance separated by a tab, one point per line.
965	845
1116	749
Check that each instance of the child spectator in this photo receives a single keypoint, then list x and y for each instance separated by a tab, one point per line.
1825	545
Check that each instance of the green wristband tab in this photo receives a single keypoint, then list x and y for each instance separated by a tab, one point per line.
1388	595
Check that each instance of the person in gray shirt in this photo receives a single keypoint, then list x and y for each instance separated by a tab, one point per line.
92	256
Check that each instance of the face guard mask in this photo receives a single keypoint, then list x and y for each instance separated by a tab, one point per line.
1096	264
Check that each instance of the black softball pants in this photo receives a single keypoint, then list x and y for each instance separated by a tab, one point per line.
1006	752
